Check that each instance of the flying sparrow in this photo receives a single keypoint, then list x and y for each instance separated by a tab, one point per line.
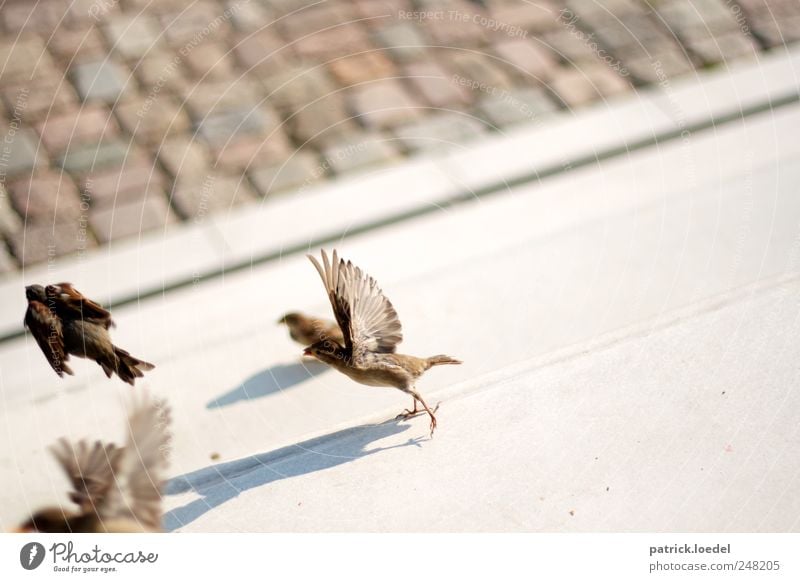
307	330
371	332
117	489
65	323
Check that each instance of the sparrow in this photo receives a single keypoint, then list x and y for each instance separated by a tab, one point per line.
371	331
63	322
307	330
117	489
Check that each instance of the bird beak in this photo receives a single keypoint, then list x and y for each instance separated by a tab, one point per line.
307	352
281	320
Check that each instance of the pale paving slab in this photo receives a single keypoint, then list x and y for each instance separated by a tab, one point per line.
690	427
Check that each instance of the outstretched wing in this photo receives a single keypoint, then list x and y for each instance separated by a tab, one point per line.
74	304
90	469
46	328
140	472
367	318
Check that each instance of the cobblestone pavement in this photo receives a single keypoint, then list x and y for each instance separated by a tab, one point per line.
124	116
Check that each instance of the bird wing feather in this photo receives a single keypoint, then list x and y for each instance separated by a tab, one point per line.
75	303
47	330
140	473
90	470
367	318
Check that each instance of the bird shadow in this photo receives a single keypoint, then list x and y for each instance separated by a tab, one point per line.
274	379
220	483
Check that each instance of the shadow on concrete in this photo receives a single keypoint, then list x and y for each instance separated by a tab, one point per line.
219	483
269	381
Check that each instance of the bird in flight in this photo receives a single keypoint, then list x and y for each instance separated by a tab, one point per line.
370	332
63	322
307	330
117	489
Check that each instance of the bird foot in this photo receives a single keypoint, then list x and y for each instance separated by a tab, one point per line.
411	413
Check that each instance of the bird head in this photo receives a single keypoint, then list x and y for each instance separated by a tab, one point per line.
35	293
324	350
290	319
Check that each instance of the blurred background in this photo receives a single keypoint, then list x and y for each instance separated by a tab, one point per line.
122	117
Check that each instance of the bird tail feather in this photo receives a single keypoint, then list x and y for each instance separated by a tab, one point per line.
128	368
440	360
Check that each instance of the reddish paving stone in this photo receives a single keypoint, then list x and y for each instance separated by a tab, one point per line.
384	104
130	218
379	13
159	72
569	47
578	87
536	17
215	97
88	124
656	69
249	16
342	40
76	44
24	58
131	35
263	54
10	221
43	16
46	198
458	23
529	59
362	68
436	85
37	243
101	80
774	32
198	22
722	48
301	169
241	154
152	123
7	262
134	180
480	72
211	61
297	87
37	99
617	33
183	157
214	194
404	42
316	18
321	121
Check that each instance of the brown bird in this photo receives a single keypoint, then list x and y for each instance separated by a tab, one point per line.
371	331
117	489
307	330
63	322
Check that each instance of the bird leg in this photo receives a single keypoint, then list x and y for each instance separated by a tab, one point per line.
409	413
418	398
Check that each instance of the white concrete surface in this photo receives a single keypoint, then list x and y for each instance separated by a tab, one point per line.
601	313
